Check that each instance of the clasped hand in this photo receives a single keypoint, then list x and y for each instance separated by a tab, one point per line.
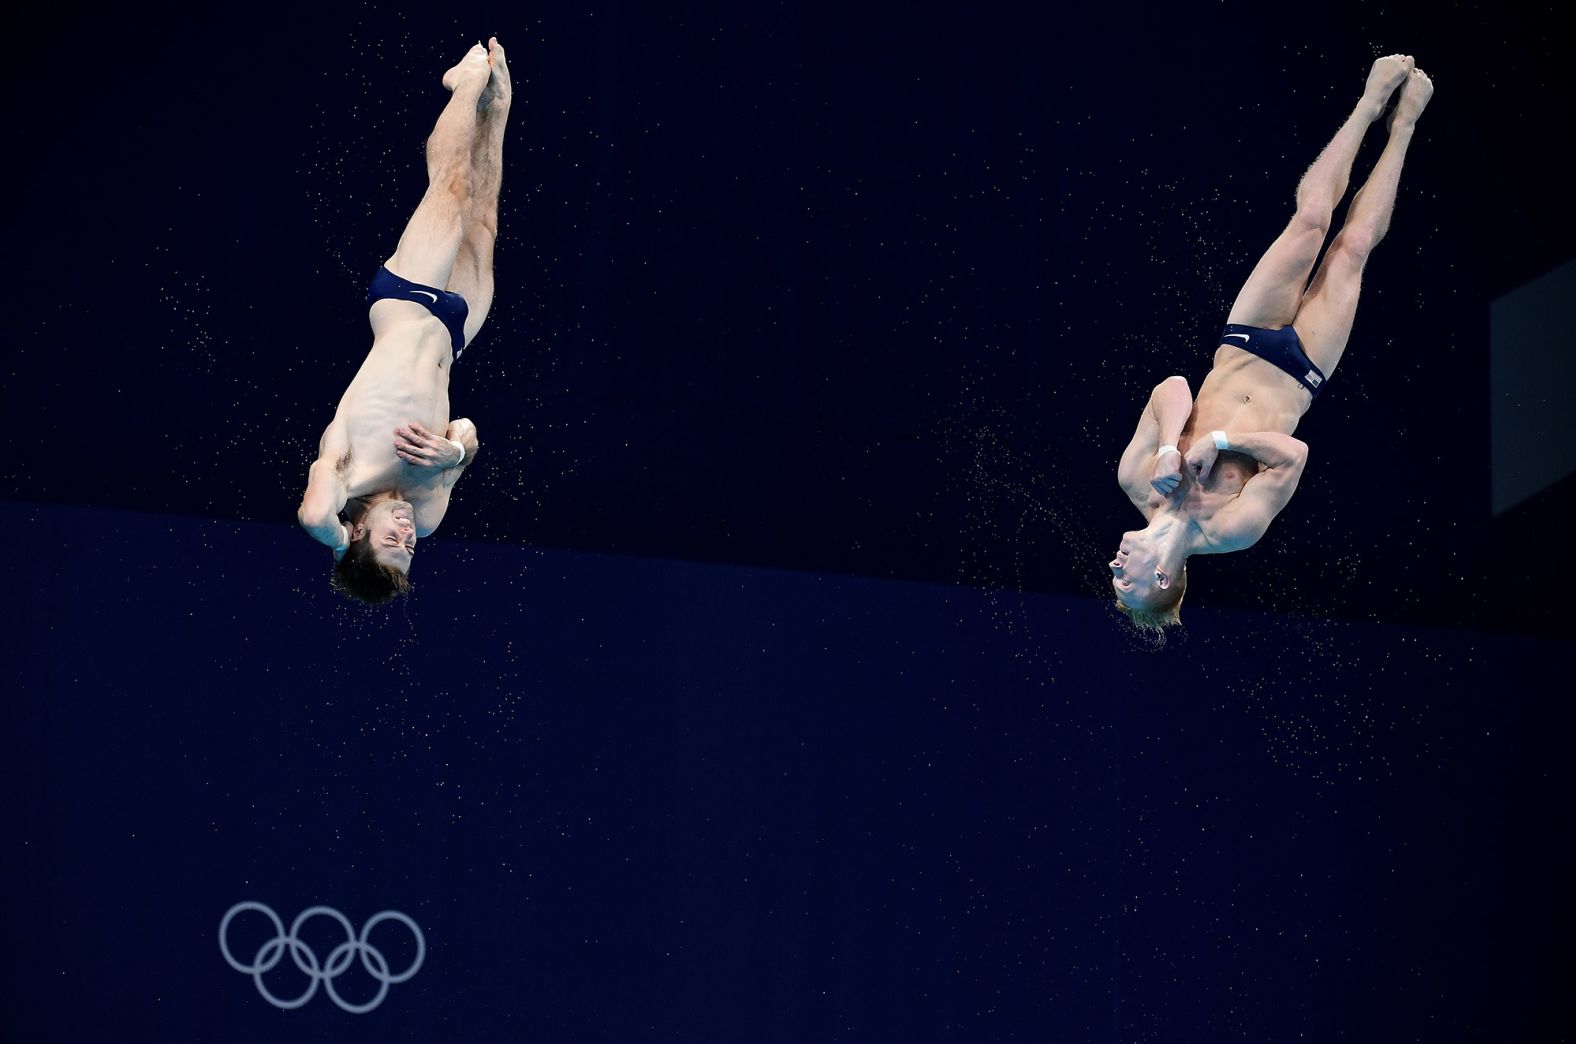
418	447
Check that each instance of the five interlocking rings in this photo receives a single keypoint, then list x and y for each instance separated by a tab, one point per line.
273	951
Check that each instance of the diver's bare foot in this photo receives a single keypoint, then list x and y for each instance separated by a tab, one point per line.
1414	96
1387	74
471	70
499	89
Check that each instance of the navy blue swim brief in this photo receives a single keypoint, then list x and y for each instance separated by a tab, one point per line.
1281	347
447	306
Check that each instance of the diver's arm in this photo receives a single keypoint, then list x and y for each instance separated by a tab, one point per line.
1275	450
430	507
1242	521
321	504
1165	415
463	432
1172	401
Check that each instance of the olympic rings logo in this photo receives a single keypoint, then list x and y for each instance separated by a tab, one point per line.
273	951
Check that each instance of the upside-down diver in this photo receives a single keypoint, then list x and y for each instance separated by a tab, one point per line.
384	473
1210	473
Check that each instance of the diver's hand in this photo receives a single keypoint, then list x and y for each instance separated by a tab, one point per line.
1167	474
420	448
1201	457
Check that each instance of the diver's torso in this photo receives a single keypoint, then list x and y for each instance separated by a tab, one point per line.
404	379
1245	393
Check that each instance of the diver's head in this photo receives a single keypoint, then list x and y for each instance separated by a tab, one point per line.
1149	580
374	567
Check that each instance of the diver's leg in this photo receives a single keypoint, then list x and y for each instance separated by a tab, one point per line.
1272	293
431	239
1324	321
472	274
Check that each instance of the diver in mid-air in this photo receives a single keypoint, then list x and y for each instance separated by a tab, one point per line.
388	461
1210	473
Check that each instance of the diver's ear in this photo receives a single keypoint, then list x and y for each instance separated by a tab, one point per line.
1163	579
358	530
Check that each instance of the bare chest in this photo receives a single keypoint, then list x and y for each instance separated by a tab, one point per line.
1204	499
403	380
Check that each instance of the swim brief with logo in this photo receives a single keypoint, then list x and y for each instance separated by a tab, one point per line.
449	307
1281	347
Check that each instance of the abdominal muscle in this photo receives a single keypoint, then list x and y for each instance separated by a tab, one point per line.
404	378
1245	393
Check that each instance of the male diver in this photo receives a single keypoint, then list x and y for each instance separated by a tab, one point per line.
1209	473
388	461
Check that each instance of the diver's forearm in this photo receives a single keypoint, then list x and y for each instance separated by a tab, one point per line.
463	431
1172	403
1273	449
329	532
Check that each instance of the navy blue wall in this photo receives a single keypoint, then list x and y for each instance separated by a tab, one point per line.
631	799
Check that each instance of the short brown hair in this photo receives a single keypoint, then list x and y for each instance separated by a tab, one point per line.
360	576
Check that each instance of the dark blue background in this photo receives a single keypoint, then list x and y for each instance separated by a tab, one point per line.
770	276
758	685
635	799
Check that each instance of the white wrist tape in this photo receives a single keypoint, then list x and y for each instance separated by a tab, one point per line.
1220	440
461	447
1167	448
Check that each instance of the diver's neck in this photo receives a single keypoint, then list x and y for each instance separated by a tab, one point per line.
357	507
1174	532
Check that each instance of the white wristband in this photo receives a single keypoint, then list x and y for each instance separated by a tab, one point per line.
1167	448
461	447
1220	440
